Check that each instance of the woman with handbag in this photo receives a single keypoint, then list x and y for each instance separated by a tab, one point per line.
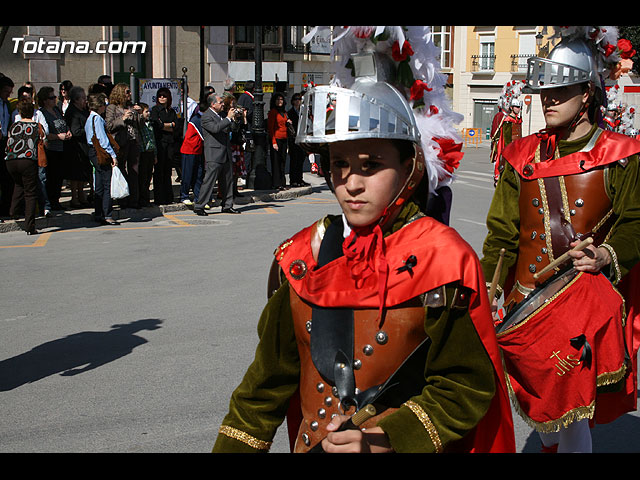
122	118
58	134
103	157
23	153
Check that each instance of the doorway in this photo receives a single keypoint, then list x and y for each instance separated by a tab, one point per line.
483	113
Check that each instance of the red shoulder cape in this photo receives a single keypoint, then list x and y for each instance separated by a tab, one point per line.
609	148
442	257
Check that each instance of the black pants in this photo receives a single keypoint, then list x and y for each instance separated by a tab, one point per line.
6	182
25	177
128	162
278	163
55	176
296	162
162	187
102	202
145	172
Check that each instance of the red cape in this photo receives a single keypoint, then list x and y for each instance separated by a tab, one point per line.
609	148
442	257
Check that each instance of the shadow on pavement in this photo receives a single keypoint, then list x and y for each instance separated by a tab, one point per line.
74	354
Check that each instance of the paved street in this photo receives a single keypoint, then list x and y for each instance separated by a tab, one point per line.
131	338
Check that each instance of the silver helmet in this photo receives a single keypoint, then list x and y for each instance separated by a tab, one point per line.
570	62
370	108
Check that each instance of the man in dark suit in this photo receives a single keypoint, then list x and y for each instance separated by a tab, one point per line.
217	155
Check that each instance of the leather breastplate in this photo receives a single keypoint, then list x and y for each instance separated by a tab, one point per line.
372	350
516	131
377	354
553	213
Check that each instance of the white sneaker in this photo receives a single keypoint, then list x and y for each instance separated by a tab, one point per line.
187	202
208	207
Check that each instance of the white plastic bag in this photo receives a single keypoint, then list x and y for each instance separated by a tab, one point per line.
119	187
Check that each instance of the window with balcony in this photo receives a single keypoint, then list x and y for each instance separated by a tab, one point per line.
484	62
526	49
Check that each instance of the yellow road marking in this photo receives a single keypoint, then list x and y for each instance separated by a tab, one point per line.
42	240
177	220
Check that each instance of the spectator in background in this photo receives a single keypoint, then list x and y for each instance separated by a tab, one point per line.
104	81
63	97
22	161
43	198
96	88
147	154
216	128
192	159
23	91
237	139
121	119
163	119
102	173
58	134
229	86
296	154
277	121
78	168
245	100
206	91
6	182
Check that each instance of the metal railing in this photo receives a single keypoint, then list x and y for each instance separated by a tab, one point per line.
483	63
519	62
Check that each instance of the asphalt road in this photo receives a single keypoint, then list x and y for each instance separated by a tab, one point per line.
131	338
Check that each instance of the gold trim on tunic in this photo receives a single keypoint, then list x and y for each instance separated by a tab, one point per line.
427	423
244	437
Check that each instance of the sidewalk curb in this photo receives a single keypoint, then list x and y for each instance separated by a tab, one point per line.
84	217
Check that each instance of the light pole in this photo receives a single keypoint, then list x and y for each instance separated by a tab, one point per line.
259	177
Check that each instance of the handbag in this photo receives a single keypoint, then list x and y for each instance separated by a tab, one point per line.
103	156
42	153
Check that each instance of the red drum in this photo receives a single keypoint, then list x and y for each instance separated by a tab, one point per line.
559	344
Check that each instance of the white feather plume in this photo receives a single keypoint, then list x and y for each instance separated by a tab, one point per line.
435	119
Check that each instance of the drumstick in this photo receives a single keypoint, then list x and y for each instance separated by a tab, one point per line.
564	257
496	276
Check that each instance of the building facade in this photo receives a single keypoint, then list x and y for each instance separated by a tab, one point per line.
478	60
487	57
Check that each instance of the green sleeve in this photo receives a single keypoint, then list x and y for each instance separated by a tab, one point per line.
460	385
503	225
623	241
259	404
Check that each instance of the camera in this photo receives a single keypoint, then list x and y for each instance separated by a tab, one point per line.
239	112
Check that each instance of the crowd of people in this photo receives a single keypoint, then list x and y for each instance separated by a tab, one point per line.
145	142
